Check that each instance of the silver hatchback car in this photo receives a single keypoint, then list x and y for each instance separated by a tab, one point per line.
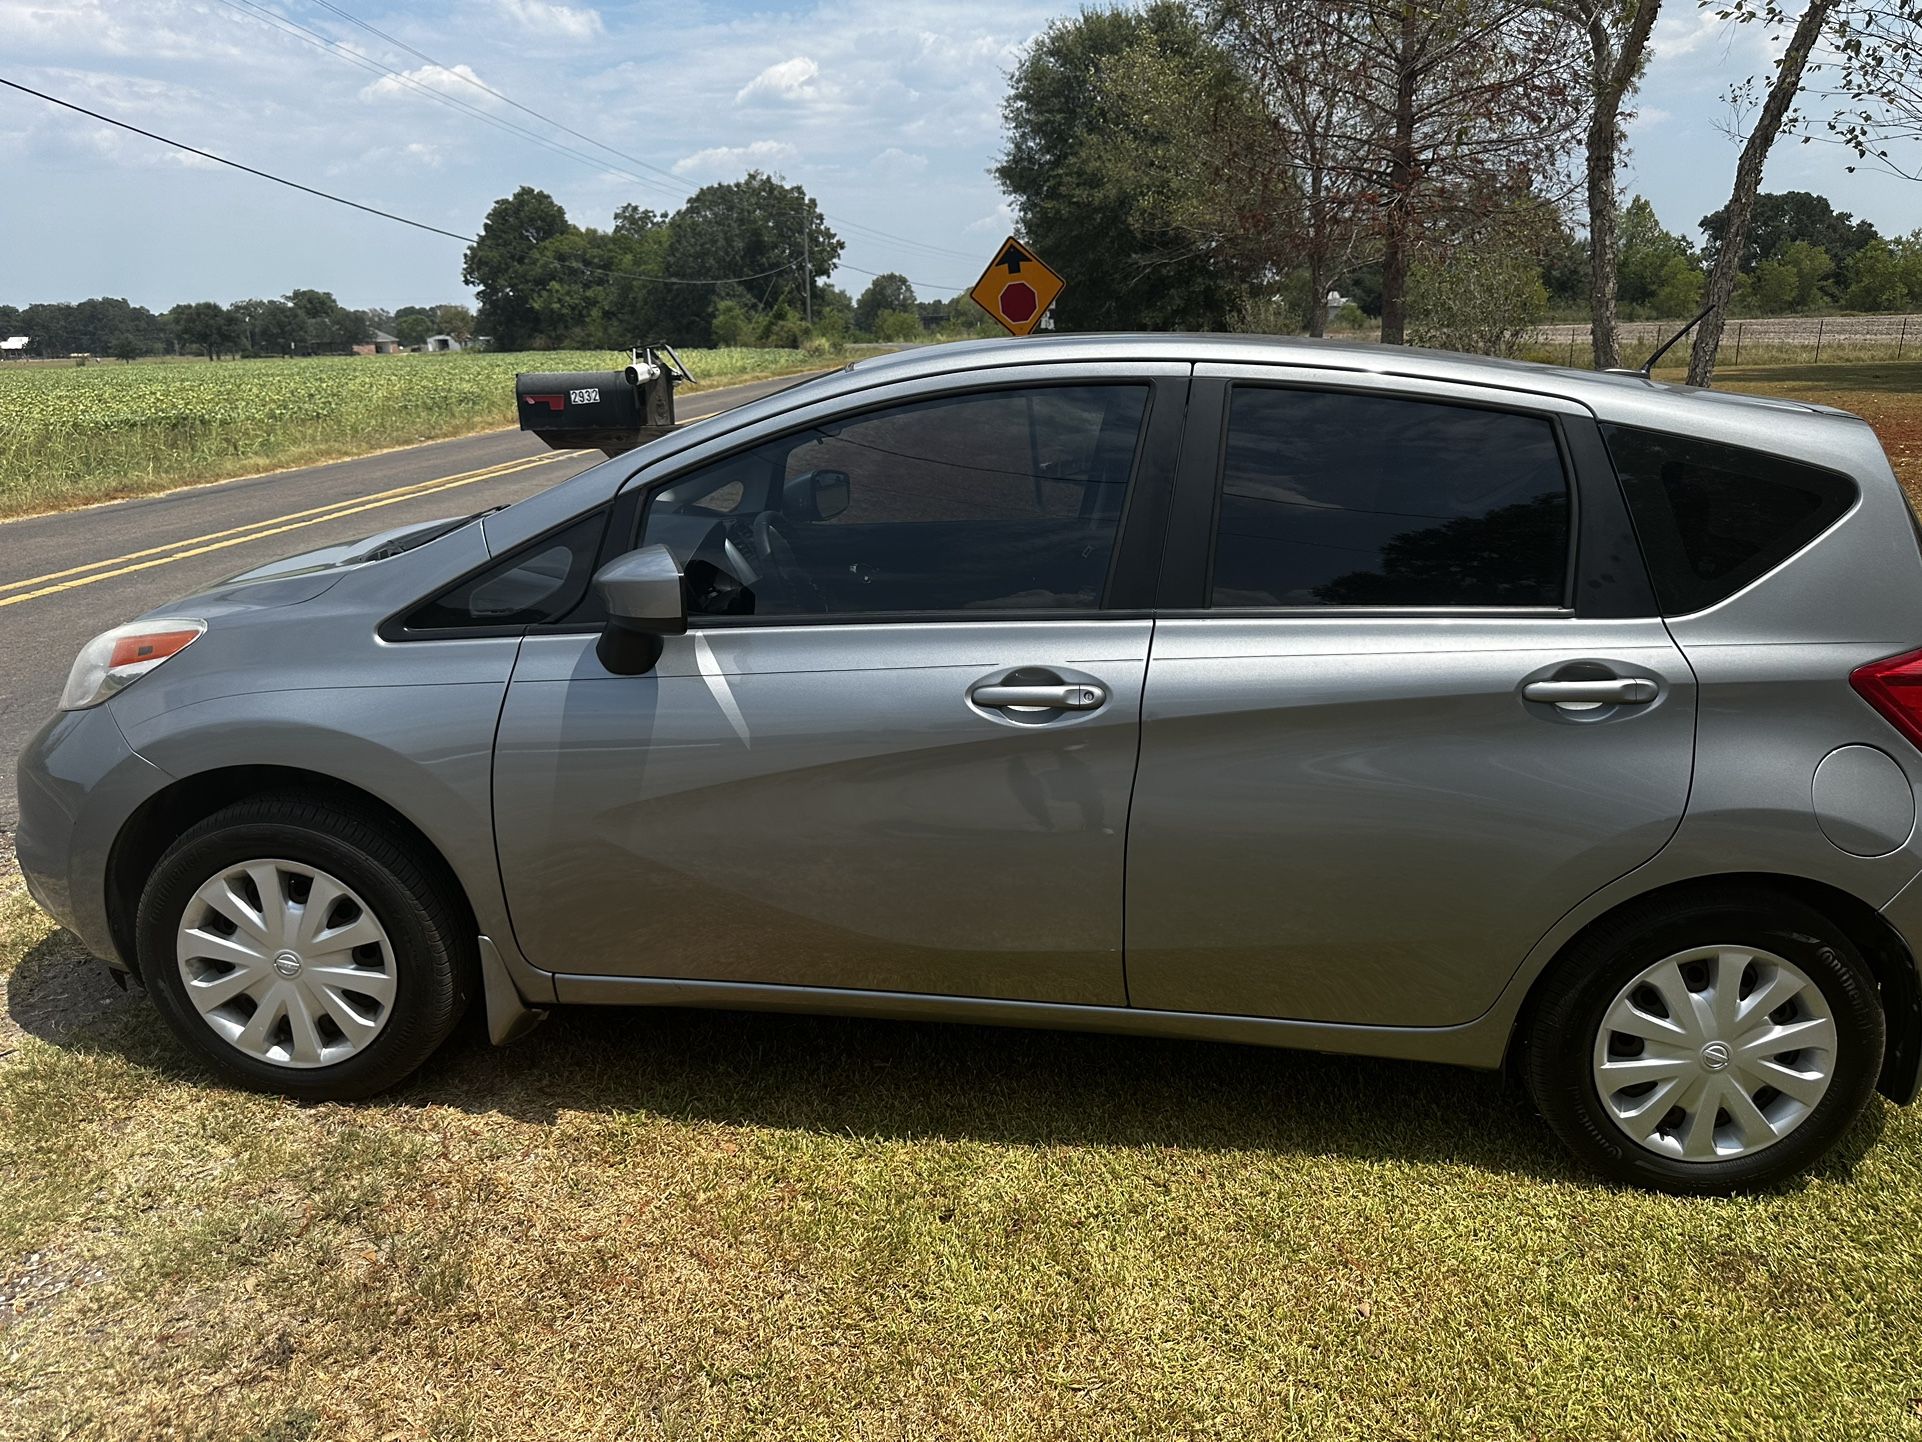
1344	698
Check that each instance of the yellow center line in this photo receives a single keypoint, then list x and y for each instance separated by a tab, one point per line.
258	535
398	493
172	551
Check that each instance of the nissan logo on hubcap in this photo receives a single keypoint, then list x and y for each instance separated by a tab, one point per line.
1716	1055
288	964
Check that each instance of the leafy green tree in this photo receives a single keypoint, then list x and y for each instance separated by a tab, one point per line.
126	348
412	330
1483	299
503	264
454	320
1770	288
1784	219
896	326
884	293
768	238
207	326
1654	263
1078	196
1876	279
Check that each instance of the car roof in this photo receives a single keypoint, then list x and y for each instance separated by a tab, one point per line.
1594	388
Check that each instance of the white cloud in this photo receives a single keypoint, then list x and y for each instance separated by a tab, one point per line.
730	158
999	221
791	80
894	163
564	22
460	81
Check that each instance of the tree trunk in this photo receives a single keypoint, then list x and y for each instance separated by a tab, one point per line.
1603	246
1401	187
1748	180
1615	69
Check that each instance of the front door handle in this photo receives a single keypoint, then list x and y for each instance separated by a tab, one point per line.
1075	696
1612	691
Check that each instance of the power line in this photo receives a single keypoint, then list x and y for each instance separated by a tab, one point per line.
374	210
266	15
235	164
505	99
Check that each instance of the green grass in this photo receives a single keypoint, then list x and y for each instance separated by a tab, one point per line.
77	434
650	1224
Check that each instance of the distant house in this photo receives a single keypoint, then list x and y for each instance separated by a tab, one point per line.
14	347
381	344
441	342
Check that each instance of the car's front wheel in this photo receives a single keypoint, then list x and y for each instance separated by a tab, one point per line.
1721	1043
301	947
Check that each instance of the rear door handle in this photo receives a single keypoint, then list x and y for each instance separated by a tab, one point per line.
1613	691
1076	696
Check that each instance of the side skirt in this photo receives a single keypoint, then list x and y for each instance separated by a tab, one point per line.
1473	1044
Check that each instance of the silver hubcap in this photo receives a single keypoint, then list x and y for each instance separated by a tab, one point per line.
286	963
1715	1053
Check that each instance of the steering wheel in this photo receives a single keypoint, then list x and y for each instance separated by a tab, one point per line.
783	581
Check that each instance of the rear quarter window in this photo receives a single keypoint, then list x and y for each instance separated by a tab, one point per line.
1712	518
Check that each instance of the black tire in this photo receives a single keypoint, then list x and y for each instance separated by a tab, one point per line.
433	951
1560	1038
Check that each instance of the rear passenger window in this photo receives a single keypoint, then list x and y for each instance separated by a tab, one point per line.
1332	499
1712	518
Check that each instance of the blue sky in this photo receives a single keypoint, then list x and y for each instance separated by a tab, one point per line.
888	111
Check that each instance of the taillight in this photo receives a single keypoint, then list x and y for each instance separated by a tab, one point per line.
1893	686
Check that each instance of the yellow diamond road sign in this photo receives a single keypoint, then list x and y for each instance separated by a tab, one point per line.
1016	288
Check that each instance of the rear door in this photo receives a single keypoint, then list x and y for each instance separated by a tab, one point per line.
895	750
1409	700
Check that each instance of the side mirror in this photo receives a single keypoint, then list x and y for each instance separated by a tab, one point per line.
644	600
816	496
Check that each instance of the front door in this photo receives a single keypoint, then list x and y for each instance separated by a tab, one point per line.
896	748
1400	728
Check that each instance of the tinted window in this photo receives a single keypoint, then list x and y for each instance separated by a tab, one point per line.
996	501
1712	518
543	581
1350	500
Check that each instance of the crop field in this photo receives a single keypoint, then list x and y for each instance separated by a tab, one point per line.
75	434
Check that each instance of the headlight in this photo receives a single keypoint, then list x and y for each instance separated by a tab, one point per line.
116	659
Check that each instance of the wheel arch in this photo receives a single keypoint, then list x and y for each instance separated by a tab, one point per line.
171	811
1881	946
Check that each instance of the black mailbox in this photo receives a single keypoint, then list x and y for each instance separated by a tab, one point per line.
610	411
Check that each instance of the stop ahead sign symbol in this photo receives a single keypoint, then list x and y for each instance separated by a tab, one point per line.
1018	301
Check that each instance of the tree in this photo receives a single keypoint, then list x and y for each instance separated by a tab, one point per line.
1077	195
890	292
765	237
1877	280
1617	33
502	263
454	320
1279	169
1782	90
1457	110
412	330
1486	300
126	348
1781	220
1653	265
205	326
896	326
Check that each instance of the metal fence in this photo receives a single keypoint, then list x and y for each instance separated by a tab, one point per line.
1798	338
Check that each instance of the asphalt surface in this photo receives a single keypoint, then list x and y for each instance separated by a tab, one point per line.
66	577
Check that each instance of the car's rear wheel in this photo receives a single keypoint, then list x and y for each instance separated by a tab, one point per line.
301	947
1716	1044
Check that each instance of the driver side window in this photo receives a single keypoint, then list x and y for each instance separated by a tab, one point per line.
1004	500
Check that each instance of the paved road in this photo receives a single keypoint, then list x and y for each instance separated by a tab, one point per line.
65	577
